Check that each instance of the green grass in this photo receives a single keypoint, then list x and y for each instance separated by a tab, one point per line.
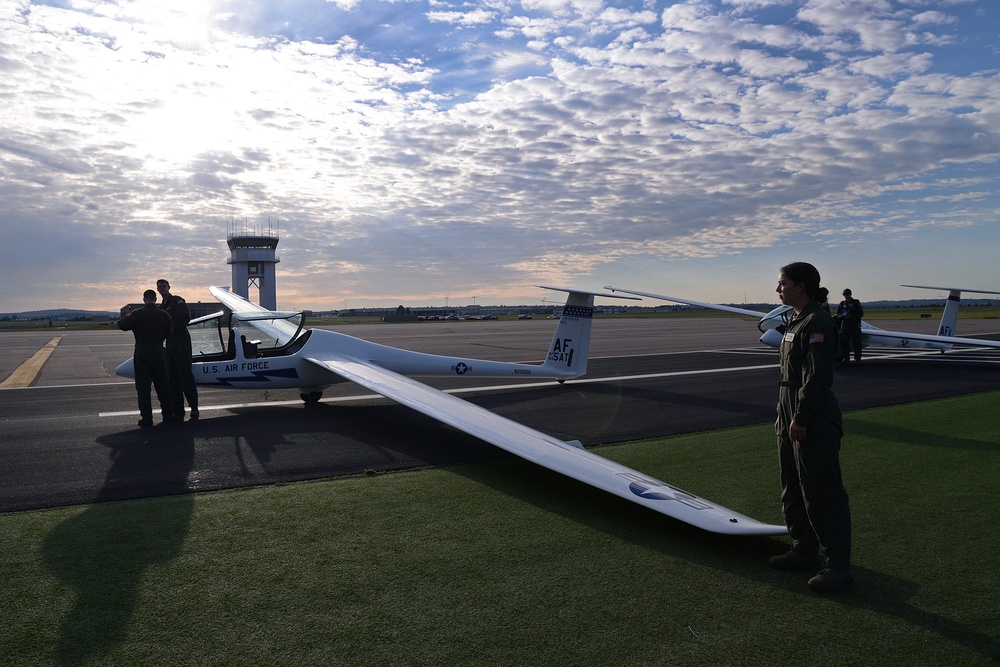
503	563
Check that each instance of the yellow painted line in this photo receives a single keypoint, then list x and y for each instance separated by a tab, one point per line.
26	373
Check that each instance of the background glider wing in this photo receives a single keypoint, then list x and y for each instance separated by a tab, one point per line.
569	459
701	304
878	336
874	335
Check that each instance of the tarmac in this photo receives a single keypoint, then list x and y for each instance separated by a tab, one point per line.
68	431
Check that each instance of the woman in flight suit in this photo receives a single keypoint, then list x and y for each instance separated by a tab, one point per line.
809	427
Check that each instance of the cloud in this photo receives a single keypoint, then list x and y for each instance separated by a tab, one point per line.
476	17
933	18
408	150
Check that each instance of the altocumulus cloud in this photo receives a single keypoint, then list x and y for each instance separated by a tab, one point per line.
417	150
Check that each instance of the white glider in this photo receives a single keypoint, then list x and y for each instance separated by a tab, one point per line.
772	324
253	348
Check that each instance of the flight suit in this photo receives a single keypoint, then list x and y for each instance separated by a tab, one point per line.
182	384
150	326
850	313
814	501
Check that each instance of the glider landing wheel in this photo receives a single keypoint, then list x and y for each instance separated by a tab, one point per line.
312	396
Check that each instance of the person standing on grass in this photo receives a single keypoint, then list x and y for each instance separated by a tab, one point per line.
809	427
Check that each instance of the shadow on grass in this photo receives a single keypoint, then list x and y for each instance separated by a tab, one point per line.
889	595
744	557
906	436
102	553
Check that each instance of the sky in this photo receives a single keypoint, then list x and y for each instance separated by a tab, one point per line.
422	153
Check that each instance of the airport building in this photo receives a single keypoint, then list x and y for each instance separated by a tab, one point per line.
253	260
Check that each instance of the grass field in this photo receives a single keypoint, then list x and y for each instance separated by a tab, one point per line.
504	563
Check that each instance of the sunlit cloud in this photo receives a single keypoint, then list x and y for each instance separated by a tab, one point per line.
410	147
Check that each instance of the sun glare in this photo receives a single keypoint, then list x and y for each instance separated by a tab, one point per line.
175	109
184	23
183	127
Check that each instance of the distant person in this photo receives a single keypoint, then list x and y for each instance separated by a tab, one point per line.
182	383
151	327
823	299
809	426
849	314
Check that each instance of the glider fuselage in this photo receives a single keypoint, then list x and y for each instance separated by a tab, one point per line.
284	369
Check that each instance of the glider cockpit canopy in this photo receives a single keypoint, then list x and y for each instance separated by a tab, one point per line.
776	319
265	332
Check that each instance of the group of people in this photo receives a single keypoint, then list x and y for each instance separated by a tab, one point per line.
167	368
809	425
848	320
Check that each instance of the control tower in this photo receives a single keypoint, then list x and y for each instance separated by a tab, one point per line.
252	258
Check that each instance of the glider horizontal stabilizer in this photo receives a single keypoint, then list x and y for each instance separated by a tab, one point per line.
952	289
567	458
574	290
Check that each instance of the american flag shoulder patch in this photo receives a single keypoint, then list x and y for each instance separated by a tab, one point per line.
816	338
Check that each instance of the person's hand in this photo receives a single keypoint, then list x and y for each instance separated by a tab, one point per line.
796	432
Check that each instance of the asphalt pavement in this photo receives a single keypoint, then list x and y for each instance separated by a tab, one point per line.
70	437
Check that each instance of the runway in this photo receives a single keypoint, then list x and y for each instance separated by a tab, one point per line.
71	437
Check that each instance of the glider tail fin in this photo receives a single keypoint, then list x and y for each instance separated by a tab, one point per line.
949	318
570	345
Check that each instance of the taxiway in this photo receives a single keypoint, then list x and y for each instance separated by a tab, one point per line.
71	436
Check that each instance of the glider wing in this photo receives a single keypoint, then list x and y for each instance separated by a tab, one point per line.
569	459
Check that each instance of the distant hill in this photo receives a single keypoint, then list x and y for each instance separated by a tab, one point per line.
58	314
921	303
76	314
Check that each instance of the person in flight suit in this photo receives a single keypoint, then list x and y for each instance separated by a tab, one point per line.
823	299
150	326
182	383
809	427
849	313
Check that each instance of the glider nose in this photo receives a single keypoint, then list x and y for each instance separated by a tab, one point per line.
772	338
126	369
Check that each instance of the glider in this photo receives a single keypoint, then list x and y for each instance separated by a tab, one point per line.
772	324
254	348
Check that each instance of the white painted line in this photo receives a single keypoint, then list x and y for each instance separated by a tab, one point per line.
468	390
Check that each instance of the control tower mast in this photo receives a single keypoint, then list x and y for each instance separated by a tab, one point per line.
253	260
